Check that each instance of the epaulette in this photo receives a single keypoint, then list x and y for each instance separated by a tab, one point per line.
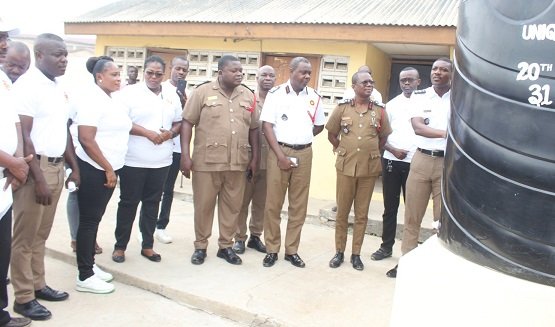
275	88
419	92
378	103
196	87
343	101
248	88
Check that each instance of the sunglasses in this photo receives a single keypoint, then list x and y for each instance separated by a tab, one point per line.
155	74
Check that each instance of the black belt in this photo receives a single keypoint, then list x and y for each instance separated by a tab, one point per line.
51	159
433	153
295	146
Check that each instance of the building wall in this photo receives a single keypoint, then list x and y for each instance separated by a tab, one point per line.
359	53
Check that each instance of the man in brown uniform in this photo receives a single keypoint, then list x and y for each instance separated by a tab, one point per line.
226	127
255	191
358	130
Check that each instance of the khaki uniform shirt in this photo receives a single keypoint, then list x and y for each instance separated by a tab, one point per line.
222	127
264	147
359	129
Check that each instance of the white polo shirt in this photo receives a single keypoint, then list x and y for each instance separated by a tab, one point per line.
436	111
292	115
110	117
168	86
152	112
402	137
47	103
8	132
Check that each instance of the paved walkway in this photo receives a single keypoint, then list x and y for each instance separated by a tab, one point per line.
245	295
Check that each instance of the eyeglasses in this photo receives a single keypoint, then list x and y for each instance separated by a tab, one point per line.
155	74
407	80
367	82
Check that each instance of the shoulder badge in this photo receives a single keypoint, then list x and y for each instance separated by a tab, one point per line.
344	101
248	88
419	92
196	87
275	88
378	103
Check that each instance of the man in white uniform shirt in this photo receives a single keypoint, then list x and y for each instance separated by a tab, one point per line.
292	116
179	70
43	109
431	111
397	156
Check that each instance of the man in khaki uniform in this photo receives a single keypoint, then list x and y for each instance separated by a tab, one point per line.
292	116
226	128
358	130
255	191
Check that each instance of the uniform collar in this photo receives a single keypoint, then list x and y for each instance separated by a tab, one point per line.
289	89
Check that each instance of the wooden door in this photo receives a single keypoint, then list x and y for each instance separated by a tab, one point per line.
281	66
167	55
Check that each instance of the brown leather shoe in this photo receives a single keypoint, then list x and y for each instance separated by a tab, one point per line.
73	245
97	248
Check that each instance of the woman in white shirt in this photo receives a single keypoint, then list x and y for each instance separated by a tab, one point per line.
103	132
156	113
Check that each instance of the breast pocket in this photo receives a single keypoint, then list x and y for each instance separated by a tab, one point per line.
216	150
244	149
213	108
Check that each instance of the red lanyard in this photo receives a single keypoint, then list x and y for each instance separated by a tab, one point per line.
313	117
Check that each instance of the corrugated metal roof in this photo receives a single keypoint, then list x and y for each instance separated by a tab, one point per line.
358	12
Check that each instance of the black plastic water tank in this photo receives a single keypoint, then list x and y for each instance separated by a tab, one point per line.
499	178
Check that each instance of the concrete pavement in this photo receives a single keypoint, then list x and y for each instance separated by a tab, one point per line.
166	293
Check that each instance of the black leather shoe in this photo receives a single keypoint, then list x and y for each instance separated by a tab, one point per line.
49	294
118	256
155	257
33	310
357	263
295	260
337	260
392	273
229	255
256	243
18	322
381	254
198	256
239	247
270	259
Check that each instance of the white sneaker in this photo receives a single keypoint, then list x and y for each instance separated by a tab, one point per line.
162	237
105	276
95	285
140	238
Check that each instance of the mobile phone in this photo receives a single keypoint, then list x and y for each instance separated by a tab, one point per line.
294	160
181	84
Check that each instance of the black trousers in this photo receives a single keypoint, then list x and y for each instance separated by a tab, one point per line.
5	250
93	197
139	185
167	196
394	180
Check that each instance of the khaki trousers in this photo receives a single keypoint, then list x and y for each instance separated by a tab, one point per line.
255	194
32	225
228	188
295	181
349	189
424	180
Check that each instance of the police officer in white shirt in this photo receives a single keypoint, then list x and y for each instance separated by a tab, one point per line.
397	156
292	116
431	111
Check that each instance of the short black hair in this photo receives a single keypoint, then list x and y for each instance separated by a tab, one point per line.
96	65
157	59
406	69
225	60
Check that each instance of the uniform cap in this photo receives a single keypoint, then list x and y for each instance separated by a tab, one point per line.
8	27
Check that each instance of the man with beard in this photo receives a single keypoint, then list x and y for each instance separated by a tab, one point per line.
430	114
255	191
43	109
226	127
398	153
292	116
357	129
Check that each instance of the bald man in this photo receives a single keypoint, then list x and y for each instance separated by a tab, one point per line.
255	190
17	60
